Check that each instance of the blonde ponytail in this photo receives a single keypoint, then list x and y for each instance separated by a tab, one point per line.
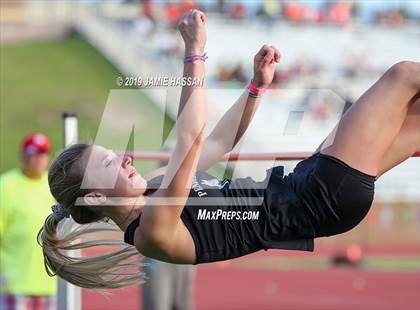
115	269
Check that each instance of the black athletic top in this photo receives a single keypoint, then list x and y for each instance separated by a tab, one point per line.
232	218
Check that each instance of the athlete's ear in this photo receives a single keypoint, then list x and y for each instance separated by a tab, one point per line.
94	198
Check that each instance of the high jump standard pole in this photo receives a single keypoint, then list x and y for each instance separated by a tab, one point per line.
69	295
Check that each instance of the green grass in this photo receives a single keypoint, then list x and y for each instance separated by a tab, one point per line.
41	80
374	263
393	263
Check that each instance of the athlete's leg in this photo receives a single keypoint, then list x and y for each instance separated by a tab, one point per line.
406	142
368	129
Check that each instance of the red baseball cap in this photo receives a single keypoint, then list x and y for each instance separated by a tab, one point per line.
35	143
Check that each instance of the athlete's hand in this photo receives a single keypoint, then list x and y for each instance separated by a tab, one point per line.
193	31
264	66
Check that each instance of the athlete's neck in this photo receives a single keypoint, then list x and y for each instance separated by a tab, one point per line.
125	211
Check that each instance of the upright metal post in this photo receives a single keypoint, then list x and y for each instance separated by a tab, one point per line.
69	296
70	128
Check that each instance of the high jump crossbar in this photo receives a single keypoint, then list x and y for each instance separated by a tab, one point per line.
164	156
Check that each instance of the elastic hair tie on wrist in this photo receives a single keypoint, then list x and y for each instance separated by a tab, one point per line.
192	58
254	91
252	95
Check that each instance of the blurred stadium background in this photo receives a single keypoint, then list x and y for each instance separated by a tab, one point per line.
58	56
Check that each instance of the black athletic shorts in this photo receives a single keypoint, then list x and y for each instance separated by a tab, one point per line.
335	196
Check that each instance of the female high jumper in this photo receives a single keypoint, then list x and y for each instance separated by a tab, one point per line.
180	214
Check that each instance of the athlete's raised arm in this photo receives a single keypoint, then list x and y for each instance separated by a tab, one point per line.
236	120
160	219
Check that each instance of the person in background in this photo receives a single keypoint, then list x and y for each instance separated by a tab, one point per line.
168	286
24	201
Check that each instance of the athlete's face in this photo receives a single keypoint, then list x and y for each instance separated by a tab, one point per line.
111	174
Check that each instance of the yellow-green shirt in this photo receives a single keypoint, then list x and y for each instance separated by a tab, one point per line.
24	205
